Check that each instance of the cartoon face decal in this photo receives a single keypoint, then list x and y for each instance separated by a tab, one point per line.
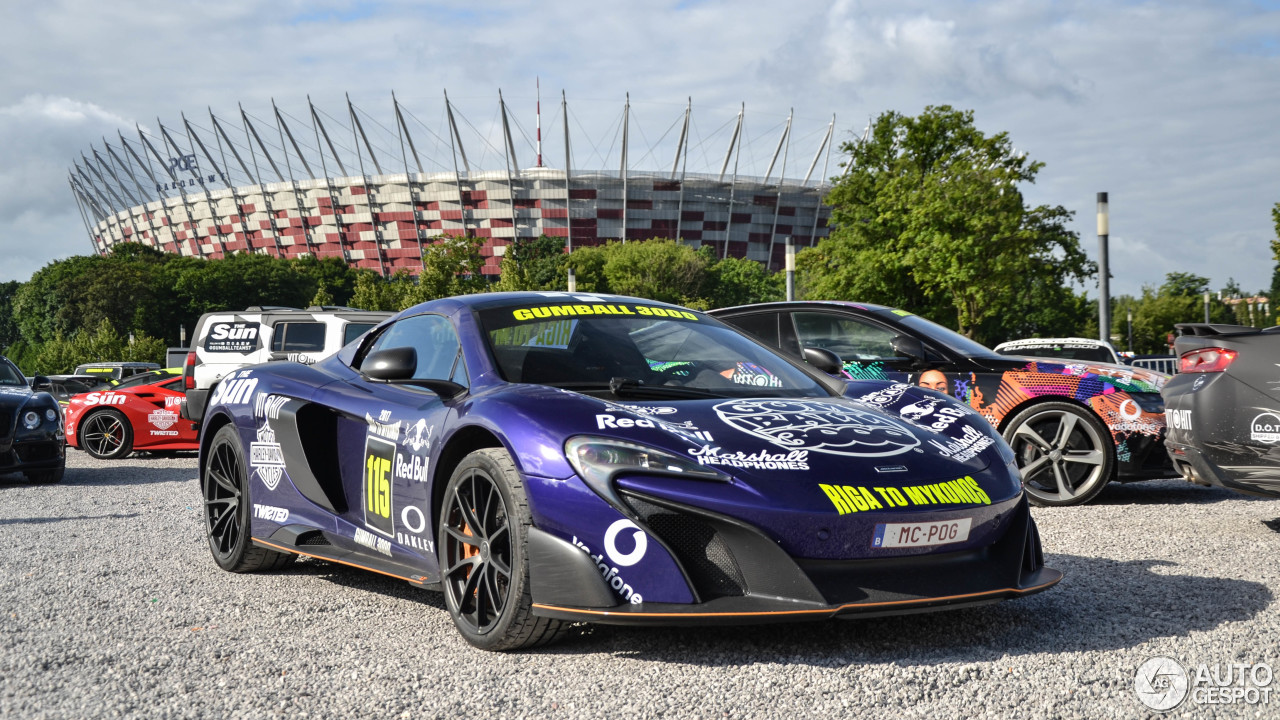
819	426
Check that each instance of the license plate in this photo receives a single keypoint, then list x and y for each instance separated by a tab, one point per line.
922	534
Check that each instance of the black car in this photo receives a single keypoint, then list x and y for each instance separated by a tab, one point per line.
1074	426
31	437
1223	407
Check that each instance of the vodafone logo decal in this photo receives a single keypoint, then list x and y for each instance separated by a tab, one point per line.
639	540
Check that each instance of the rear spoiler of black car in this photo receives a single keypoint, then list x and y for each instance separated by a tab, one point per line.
1204	329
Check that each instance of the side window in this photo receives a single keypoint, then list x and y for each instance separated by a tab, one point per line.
433	338
852	339
298	337
762	326
354	330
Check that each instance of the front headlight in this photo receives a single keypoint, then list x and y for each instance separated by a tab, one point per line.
31	420
51	415
598	460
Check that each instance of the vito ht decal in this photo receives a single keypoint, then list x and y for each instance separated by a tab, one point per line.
542	312
851	499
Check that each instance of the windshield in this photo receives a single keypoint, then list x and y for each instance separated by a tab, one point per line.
145	378
9	374
949	338
638	349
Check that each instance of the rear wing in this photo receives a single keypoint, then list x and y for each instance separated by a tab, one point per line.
1207	329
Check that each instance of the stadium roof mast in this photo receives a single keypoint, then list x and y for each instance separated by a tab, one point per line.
782	174
510	152
319	129
737	138
826	143
568	192
282	128
626	116
415	196
538	109
116	159
682	151
455	148
356	127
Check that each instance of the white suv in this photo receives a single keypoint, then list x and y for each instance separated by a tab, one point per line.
230	340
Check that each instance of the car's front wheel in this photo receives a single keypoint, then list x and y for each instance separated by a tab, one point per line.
106	435
224	481
1064	452
484	567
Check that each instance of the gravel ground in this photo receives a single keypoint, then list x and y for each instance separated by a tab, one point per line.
113	608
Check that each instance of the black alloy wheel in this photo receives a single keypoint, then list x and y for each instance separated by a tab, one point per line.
1064	452
483	566
225	483
106	435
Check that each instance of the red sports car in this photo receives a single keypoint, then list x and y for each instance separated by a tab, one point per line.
141	413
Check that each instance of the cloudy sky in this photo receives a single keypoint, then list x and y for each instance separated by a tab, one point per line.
1172	107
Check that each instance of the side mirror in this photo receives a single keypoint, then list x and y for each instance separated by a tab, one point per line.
396	366
390	364
40	383
908	347
824	360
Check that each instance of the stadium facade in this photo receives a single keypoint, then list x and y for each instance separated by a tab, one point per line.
320	186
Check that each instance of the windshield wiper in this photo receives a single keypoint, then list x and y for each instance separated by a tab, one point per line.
630	387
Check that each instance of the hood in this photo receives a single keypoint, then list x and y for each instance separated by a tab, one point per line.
779	450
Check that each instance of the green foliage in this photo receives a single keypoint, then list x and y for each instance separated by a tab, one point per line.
738	281
372	292
9	333
533	264
1179	299
103	344
661	270
451	266
929	218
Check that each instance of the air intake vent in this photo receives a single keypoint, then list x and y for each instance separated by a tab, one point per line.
314	537
705	556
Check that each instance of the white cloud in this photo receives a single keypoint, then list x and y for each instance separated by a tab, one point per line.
1171	107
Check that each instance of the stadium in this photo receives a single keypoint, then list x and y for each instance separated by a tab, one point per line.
374	191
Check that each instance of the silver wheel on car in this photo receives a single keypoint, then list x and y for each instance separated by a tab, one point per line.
1064	452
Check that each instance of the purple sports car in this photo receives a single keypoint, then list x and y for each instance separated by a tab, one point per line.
547	458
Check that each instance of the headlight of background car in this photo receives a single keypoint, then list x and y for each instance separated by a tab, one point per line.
597	460
31	419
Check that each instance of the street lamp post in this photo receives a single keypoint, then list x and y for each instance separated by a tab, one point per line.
1104	271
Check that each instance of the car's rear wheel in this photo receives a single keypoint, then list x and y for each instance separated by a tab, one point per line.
1064	452
106	435
484	567
224	481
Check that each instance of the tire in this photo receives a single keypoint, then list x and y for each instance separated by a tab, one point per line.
106	435
45	477
1064	451
224	482
484	568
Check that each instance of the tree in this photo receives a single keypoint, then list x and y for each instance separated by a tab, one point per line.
659	269
451	266
738	281
533	264
930	218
